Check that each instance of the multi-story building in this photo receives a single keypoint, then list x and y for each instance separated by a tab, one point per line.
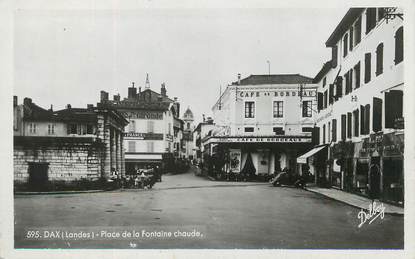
263	122
199	133
149	135
360	103
66	145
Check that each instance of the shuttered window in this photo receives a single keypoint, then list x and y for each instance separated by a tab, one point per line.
334	56
307	112
339	87
399	46
370	19
377	114
324	133
331	93
349	125
343	127
367	67
334	130
358	30
351	39
367	119
356	123
320	101
379	59
325	99
362	120
357	75
393	107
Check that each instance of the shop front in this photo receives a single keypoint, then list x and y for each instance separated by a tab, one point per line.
256	158
342	168
314	163
379	171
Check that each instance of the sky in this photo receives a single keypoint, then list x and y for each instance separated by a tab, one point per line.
68	56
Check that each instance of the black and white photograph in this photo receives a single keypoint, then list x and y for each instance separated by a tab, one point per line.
142	127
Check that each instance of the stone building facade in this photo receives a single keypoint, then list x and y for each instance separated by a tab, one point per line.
66	145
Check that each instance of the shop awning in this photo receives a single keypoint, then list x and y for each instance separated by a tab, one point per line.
303	158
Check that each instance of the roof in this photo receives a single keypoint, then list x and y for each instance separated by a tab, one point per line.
344	25
323	71
274	79
34	112
77	115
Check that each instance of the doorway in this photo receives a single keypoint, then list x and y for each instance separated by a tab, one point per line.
38	176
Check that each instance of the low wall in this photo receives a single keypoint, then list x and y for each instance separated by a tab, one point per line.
68	158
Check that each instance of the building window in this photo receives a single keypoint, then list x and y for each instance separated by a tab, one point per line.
278	130
331	93
367	67
150	146
393	107
307	129
358	30
320	98
379	59
349	81
307	112
249	129
339	87
334	56
89	129
324	133
345	46
249	109
278	109
377	114
365	119
72	129
324	81
356	123
351	39
349	125
328	132
131	126
131	146
334	130
399	46
343	127
325	99
357	75
370	19
150	126
32	128
51	129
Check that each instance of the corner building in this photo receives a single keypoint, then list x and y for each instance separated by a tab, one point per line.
263	122
360	104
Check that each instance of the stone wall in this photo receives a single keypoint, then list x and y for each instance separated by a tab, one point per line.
68	158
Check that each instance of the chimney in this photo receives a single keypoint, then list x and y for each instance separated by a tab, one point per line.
175	99
132	91
203	117
14	100
68	106
104	96
209	120
51	108
117	97
27	101
90	106
239	78
163	91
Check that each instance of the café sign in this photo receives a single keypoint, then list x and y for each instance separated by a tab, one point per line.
270	139
281	93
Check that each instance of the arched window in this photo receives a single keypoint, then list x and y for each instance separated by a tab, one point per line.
399	45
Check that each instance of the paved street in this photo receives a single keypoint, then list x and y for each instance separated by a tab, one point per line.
227	215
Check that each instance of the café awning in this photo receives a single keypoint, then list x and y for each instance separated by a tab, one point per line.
303	158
